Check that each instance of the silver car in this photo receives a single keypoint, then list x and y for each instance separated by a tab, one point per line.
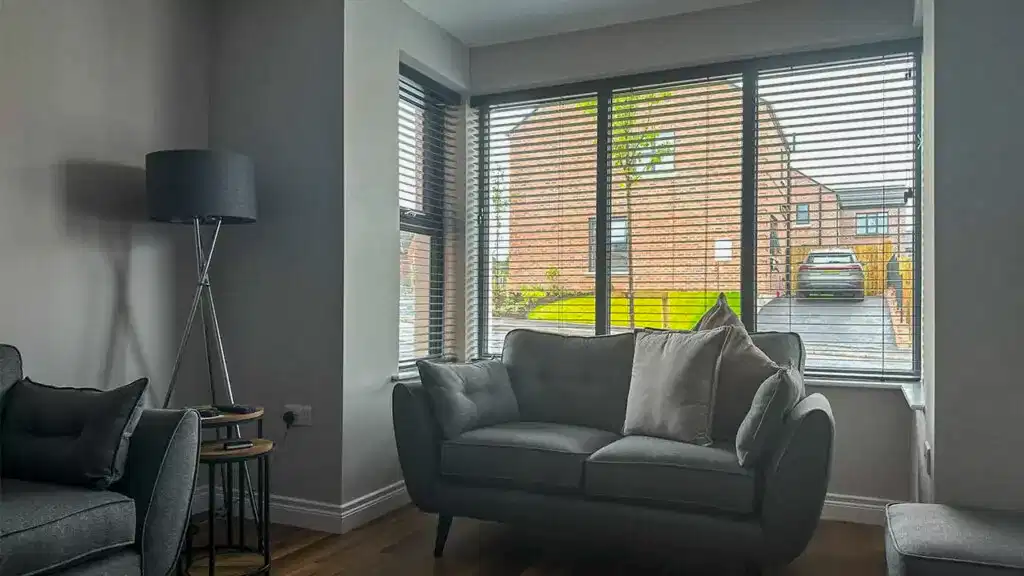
832	272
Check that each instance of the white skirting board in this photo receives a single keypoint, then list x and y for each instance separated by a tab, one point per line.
322	516
856	509
340	518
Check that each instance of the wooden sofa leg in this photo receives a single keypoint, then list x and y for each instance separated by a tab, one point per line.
444	524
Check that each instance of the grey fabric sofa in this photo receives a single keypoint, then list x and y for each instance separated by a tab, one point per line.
137	527
566	467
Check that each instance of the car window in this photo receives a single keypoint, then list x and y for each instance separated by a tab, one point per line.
829	258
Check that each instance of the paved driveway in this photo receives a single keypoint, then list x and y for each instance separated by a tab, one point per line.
838	333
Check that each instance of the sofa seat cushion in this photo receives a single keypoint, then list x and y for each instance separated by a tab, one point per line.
526	455
925	539
43	526
657	471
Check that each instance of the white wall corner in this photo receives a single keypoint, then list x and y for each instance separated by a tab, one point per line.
362	510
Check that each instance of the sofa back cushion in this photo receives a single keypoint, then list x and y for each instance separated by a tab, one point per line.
575	380
468	396
10	367
764	422
73	436
675	379
784	348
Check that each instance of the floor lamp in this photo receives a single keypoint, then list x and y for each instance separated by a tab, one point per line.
202	188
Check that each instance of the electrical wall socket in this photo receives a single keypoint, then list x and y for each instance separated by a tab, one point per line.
303	414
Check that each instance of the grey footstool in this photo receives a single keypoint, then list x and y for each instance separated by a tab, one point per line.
936	540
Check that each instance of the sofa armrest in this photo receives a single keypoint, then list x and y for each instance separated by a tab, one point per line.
163	458
796	479
418	438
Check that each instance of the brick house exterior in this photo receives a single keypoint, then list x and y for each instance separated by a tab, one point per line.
683	217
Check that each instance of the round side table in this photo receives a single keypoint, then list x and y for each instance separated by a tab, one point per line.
225	419
213	455
230	463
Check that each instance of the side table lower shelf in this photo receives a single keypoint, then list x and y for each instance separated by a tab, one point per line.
213	456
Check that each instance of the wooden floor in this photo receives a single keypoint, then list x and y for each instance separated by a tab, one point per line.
401	543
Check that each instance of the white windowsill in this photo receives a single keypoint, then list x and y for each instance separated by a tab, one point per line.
913	391
852	383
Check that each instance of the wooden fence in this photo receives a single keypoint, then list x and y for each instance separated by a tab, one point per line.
906	294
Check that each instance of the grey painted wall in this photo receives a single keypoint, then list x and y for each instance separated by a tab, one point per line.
87	88
978	234
872	455
762	28
276	96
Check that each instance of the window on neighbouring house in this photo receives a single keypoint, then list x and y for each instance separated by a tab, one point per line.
872	224
803	214
426	168
618	245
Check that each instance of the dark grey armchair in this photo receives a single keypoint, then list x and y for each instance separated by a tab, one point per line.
137	527
589	481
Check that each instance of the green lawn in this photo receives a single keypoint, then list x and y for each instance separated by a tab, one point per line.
684	310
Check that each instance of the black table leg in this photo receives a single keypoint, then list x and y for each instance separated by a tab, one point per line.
229	503
212	505
266	510
260	487
242	501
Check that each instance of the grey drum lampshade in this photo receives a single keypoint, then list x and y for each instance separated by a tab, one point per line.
211	185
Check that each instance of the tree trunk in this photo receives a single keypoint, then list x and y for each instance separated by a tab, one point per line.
629	254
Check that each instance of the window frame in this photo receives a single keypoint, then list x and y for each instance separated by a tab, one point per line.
747	247
430	221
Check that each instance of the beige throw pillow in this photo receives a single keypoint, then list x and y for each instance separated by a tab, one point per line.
673	384
744	367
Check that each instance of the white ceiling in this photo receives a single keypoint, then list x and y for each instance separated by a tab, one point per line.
483	22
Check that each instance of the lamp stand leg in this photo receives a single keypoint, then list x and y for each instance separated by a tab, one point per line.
203	290
203	273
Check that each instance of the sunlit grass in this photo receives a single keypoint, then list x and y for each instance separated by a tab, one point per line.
674	310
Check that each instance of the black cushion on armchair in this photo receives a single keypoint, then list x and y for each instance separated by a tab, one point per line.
74	436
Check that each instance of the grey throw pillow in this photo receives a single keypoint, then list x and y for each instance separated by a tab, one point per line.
76	436
774	399
469	396
673	384
744	368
